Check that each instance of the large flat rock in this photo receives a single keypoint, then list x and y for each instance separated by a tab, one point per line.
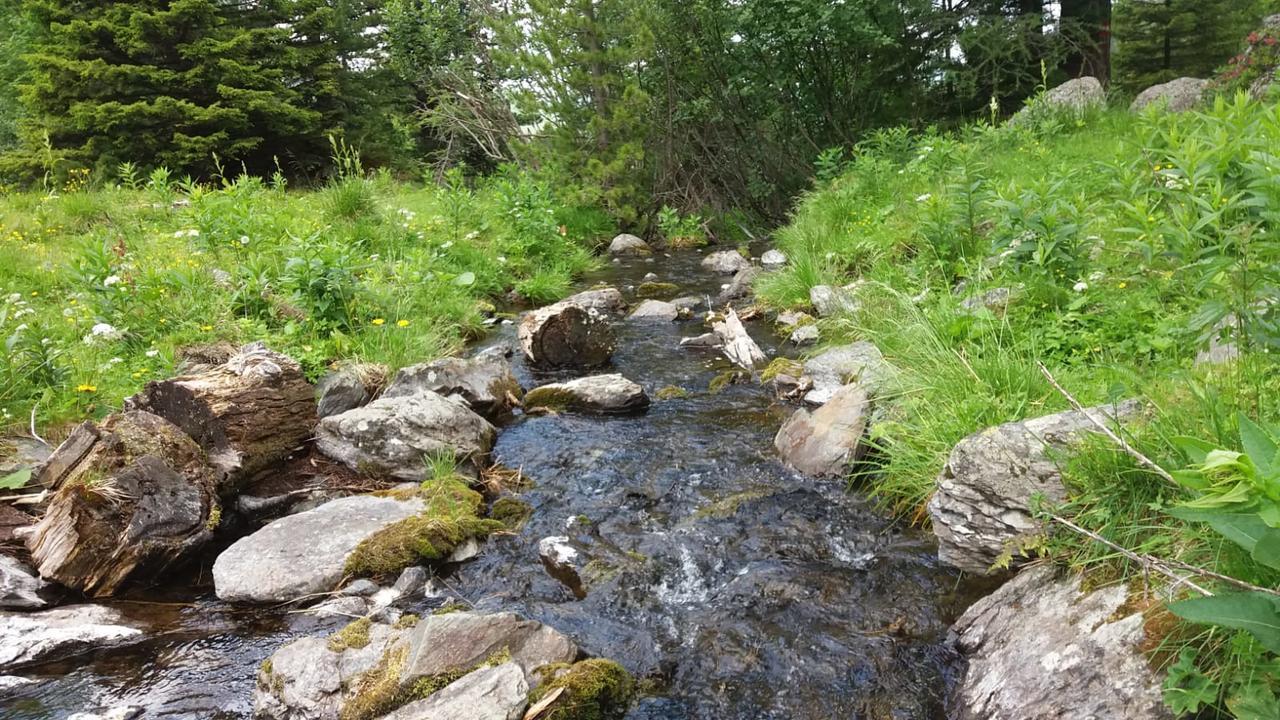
33	638
825	442
1041	649
303	554
495	693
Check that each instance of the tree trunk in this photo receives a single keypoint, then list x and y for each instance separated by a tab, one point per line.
1094	59
248	414
138	498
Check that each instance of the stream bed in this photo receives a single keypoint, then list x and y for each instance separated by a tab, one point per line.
736	587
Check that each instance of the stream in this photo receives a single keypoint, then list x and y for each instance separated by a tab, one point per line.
738	588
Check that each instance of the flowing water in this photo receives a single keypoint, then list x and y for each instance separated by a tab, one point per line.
736	587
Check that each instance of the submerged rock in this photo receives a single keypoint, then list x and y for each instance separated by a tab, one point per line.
710	341
566	335
20	587
826	442
627	244
1039	649
306	553
486	384
835	367
597	393
655	311
984	493
1178	95
725	262
38	637
690	303
394	435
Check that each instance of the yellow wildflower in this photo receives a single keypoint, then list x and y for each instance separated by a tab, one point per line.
87	388
379	322
402	323
206	328
1123	285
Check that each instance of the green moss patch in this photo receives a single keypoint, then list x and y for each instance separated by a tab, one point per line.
549	399
352	637
451	517
657	290
672	392
728	506
596	689
511	512
782	366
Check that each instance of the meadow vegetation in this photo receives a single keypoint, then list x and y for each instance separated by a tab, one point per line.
1113	248
103	283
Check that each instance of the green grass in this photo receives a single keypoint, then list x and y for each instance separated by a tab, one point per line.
366	269
1127	238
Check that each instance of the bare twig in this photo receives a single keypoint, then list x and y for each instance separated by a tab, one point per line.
1146	461
1147	562
33	425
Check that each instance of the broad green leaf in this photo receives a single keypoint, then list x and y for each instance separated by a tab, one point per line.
1255	702
1243	529
466	279
1194	448
16	480
1191	479
1267	551
1257	444
1255	612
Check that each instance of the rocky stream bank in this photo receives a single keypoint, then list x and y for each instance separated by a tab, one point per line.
631	524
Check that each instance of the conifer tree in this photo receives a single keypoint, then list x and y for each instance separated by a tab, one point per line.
1159	40
162	82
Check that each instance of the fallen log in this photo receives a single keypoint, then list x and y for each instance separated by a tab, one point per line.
140	498
566	335
249	413
737	345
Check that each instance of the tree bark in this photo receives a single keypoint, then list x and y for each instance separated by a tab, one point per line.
137	500
248	413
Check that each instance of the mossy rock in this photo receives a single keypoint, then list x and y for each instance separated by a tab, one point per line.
596	689
377	691
511	512
657	290
782	366
352	637
724	380
672	392
549	399
451	516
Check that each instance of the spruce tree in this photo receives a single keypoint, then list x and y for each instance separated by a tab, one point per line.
162	82
1159	40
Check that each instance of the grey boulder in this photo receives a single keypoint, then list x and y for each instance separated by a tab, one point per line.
486	384
33	638
20	587
984	492
655	311
493	693
826	442
343	389
741	288
627	244
835	367
306	553
1178	95
598	393
603	299
1040	648
804	335
725	262
394	435
828	301
773	259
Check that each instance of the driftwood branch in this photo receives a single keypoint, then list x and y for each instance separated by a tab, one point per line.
1133	452
1147	562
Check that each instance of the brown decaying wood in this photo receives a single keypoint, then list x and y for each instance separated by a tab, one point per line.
136	501
248	414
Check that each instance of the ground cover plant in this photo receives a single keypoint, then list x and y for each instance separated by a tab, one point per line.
103	283
1114	248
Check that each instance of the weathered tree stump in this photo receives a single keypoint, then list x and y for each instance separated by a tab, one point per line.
566	335
139	498
248	413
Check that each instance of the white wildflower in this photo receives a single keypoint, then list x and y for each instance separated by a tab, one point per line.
1080	286
15	297
115	361
244	239
152	353
24	312
193	233
1096	276
68	312
502	259
925	198
102	331
20	328
111	280
447	245
473	234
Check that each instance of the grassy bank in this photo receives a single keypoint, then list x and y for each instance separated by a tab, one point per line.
102	286
1122	241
